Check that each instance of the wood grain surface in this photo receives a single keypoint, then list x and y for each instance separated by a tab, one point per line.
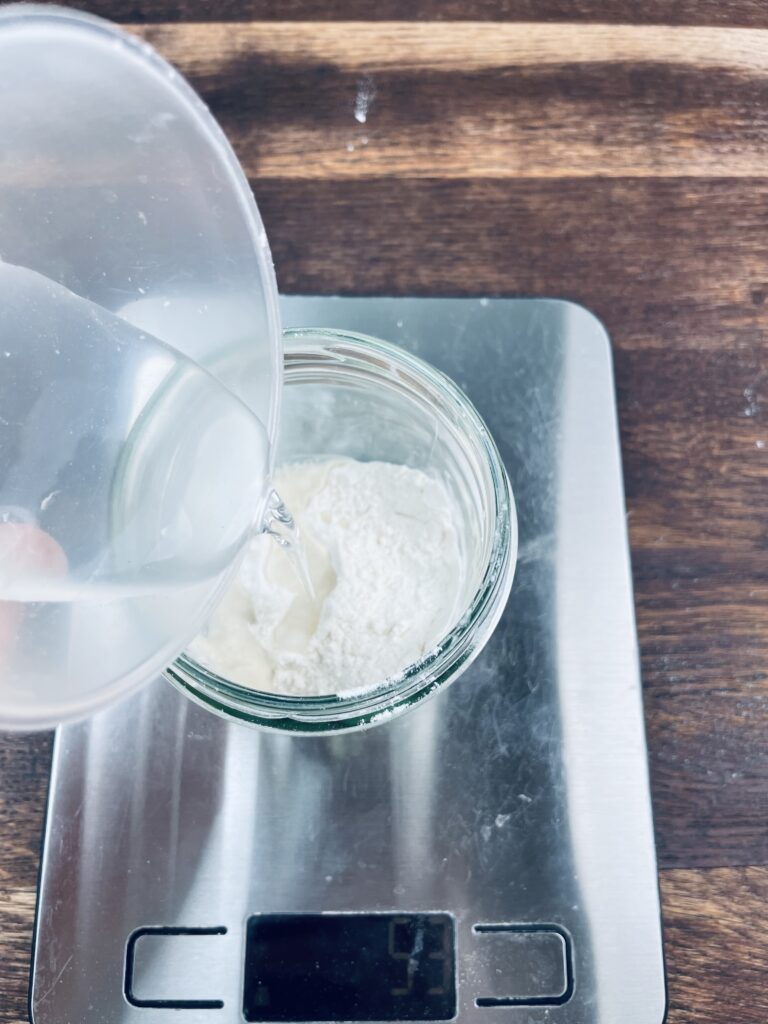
603	151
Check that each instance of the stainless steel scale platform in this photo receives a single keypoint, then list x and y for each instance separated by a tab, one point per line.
488	857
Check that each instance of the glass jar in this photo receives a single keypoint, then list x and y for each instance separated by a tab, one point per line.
350	395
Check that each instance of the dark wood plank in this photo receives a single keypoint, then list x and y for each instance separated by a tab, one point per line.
695	437
17	910
24	766
661	12
492	101
716	941
665	263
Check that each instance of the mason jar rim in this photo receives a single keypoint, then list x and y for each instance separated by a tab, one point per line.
313	350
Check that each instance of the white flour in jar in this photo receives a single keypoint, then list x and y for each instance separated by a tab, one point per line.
384	558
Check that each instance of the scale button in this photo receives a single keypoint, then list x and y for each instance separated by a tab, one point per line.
523	965
174	968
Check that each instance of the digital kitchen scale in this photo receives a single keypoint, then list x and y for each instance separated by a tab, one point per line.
488	857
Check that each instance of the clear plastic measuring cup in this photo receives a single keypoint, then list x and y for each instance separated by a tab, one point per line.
129	474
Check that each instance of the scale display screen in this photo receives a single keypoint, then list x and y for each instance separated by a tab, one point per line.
349	967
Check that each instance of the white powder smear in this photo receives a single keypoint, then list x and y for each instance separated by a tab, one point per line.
366	91
384	558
